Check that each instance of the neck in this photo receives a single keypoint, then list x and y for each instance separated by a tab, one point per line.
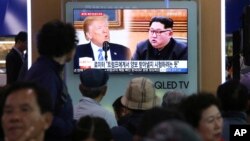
60	60
99	98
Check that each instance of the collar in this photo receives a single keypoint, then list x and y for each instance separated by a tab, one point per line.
18	51
95	47
58	67
84	98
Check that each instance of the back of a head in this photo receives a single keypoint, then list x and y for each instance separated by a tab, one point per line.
140	94
21	36
93	82
233	96
120	133
173	131
154	116
193	106
172	99
92	128
118	107
56	39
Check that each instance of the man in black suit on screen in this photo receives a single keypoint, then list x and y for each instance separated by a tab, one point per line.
160	44
97	31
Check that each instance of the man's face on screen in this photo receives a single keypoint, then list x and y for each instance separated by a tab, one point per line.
99	32
159	36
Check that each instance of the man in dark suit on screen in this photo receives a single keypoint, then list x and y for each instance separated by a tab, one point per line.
160	44
97	31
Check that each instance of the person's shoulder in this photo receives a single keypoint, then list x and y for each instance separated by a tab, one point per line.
12	54
83	45
180	44
117	45
143	43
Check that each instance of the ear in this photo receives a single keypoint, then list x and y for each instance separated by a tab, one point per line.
88	36
125	111
81	88
171	33
48	117
104	90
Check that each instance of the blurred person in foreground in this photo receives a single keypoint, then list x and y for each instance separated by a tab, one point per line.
233	96
27	112
92	129
172	130
202	112
56	43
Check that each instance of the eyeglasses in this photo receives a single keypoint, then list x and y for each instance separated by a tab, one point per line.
157	32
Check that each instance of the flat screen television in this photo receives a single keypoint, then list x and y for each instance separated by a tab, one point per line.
129	26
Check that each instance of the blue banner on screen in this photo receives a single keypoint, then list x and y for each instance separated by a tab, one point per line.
131	42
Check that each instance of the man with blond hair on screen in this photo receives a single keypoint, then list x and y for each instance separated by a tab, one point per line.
96	30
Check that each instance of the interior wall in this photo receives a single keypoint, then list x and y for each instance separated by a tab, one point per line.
210	44
209	34
42	11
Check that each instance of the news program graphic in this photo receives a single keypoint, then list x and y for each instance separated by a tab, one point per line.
169	66
240	132
128	27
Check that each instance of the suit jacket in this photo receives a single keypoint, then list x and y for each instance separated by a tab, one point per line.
118	52
173	51
14	63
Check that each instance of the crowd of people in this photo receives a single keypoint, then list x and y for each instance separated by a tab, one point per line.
39	106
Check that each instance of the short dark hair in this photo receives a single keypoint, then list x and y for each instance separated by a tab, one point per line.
92	92
193	106
21	36
154	116
94	127
56	39
42	96
167	22
233	96
173	130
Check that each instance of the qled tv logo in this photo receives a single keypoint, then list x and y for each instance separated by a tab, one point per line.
239	132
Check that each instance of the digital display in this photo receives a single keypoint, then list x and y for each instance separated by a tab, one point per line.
130	43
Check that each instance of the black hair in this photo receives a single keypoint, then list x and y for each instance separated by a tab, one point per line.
154	116
92	127
173	130
56	39
42	96
167	22
117	106
193	106
21	36
233	96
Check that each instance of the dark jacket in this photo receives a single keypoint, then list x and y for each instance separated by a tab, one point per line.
172	51
14	63
118	52
46	73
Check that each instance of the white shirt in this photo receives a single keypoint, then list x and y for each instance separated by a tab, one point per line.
95	49
88	106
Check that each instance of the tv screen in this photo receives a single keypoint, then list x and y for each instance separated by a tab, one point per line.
130	44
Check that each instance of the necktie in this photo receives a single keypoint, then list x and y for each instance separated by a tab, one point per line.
100	56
